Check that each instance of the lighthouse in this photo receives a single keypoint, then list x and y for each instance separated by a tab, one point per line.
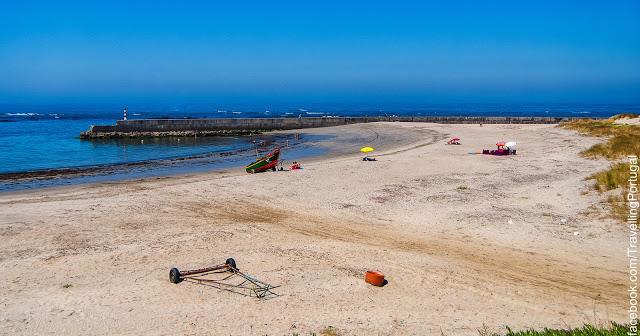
124	113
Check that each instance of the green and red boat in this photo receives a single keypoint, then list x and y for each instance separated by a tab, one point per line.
269	161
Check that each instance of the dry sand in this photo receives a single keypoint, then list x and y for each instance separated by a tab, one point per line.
627	121
464	240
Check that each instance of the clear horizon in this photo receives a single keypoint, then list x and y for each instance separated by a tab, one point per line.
356	53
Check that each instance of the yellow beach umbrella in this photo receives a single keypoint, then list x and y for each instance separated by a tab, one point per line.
367	149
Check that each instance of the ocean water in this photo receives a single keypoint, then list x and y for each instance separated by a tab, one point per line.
45	137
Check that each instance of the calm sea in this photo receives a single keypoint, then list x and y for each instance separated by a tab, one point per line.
41	137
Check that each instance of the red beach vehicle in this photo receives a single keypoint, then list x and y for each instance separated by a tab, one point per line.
295	165
454	141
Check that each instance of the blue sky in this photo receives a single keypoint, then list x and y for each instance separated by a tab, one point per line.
333	51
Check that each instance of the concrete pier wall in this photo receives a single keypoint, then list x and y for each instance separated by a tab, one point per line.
221	126
160	125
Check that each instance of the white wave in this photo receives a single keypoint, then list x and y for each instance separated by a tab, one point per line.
22	114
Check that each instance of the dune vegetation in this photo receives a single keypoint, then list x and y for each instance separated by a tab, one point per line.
622	139
613	329
586	330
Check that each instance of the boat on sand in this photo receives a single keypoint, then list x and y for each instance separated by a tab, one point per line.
269	161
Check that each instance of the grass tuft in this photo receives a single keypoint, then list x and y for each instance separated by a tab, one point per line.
624	115
329	331
587	330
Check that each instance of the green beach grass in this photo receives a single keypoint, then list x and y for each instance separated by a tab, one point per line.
587	330
621	140
613	329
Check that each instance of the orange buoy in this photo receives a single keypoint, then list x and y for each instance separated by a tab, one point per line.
374	278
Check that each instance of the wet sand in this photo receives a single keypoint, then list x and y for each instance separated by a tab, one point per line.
464	240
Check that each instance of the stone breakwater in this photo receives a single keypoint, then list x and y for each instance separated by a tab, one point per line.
248	126
92	134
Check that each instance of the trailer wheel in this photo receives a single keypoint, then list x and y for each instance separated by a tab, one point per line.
174	276
232	263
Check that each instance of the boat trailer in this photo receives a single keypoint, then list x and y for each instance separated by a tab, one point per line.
227	277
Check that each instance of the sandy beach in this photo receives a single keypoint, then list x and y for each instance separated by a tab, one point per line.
464	240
